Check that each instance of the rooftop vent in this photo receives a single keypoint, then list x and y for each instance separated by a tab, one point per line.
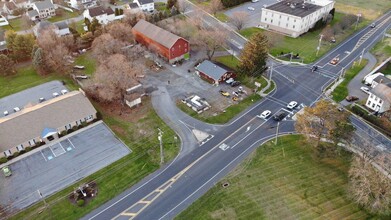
292	6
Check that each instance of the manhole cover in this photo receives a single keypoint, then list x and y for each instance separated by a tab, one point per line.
225	185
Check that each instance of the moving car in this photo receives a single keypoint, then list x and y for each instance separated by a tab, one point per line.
7	171
365	89
224	93
279	116
254	1
351	98
291	105
265	114
334	61
251	9
373	25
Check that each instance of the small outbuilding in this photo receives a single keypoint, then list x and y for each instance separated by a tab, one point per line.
166	44
213	73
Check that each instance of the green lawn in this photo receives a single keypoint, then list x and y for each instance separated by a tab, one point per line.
14	24
281	182
341	91
62	15
248	32
139	135
27	77
222	17
223	117
230	61
382	50
160	6
88	62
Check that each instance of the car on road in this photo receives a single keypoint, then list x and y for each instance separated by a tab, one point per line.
254	1
365	89
7	171
265	114
235	83
373	25
291	105
224	93
351	98
251	8
334	61
280	115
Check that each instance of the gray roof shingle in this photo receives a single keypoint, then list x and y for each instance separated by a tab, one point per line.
29	123
211	69
382	91
156	33
42	5
143	2
100	10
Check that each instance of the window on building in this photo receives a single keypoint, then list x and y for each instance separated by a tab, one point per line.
7	153
293	26
369	103
271	21
286	25
373	105
294	20
380	101
280	16
20	147
265	19
287	19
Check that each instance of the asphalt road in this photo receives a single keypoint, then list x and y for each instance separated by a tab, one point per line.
174	187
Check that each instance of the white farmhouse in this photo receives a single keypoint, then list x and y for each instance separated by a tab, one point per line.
294	17
80	4
145	5
379	99
41	10
104	16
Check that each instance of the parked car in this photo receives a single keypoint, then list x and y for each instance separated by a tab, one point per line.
265	114
351	98
254	1
291	105
81	76
230	80
334	61
279	116
365	89
251	9
224	93
7	171
235	83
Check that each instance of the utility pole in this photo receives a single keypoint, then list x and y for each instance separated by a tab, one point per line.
161	146
358	19
361	56
278	124
320	42
43	199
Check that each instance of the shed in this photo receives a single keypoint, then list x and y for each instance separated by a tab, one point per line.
213	73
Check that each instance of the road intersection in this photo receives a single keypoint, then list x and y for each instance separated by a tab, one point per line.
174	187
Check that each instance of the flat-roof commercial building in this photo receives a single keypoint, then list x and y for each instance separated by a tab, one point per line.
294	17
44	121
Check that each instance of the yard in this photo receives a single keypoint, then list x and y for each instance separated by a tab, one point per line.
382	50
281	182
88	62
137	128
15	24
62	14
341	91
370	9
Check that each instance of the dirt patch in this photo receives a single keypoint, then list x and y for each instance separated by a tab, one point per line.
350	9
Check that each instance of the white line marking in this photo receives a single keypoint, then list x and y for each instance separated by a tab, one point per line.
71	143
52	151
43	156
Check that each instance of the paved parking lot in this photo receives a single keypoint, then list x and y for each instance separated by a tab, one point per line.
59	165
254	16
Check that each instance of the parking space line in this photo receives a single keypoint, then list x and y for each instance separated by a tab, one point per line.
71	143
52	151
62	149
43	156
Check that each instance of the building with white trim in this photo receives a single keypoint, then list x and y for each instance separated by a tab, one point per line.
379	99
145	5
294	17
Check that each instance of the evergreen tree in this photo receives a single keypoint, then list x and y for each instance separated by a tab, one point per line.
254	55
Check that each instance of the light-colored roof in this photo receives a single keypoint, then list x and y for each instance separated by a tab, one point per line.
61	25
32	13
383	91
44	5
143	2
211	69
11	6
29	122
156	33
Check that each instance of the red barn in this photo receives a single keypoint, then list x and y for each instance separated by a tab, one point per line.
166	44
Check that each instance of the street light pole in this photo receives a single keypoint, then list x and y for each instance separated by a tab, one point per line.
318	48
358	18
361	56
161	146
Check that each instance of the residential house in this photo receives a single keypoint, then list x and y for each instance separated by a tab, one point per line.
41	10
82	4
133	7
380	79
62	28
379	99
103	15
9	7
42	26
212	72
3	21
24	3
294	17
145	5
166	44
44	122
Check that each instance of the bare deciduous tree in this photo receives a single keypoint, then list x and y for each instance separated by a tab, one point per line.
210	40
113	76
132	18
7	65
239	19
183	6
215	6
120	31
105	46
273	38
55	52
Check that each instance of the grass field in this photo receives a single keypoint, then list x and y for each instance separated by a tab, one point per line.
88	62
341	91
281	182
248	32
62	15
370	9
27	77
382	50
161	6
14	24
137	130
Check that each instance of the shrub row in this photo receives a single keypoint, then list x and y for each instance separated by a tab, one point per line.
370	118
231	3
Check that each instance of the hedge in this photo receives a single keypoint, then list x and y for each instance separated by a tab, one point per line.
231	3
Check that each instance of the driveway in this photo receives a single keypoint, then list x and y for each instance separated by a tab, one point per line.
254	16
56	166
